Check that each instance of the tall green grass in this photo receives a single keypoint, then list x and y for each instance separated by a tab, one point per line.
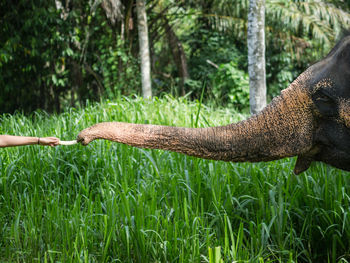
109	202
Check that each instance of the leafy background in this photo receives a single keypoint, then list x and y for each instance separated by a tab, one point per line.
55	57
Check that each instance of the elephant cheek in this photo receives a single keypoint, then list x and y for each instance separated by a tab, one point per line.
344	112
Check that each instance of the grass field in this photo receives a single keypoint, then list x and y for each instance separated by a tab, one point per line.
109	202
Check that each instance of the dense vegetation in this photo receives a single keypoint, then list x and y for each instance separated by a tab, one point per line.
109	202
56	54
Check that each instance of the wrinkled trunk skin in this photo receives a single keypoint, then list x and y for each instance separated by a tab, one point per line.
282	129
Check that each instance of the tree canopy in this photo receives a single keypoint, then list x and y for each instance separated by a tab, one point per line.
55	54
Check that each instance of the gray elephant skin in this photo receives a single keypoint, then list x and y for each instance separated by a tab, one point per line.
310	119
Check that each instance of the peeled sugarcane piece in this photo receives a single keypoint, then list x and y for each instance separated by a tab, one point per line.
68	142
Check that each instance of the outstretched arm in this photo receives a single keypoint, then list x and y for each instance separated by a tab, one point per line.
9	141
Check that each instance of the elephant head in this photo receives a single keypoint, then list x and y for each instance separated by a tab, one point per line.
310	119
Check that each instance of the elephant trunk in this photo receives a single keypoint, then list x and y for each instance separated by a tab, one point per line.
282	129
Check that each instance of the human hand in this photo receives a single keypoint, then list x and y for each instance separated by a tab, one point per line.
49	141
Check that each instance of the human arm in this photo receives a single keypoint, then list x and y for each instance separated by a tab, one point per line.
10	140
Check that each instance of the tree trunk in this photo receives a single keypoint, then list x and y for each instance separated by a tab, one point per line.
114	10
144	49
256	55
178	56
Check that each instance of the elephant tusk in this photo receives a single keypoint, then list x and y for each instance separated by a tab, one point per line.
68	142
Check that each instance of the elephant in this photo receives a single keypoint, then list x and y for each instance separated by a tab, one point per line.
310	119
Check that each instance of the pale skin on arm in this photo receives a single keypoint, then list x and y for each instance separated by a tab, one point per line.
10	141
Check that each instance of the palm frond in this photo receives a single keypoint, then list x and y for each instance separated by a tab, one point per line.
318	20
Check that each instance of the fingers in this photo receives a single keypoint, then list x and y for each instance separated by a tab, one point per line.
53	141
49	141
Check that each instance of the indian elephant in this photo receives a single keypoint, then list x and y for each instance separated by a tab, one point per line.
310	119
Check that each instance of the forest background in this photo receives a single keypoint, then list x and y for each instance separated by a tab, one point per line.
60	54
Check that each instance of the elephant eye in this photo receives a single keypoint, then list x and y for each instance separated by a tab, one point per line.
325	103
322	98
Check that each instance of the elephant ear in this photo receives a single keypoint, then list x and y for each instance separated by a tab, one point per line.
326	103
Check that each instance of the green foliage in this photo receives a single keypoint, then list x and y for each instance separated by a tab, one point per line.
280	70
297	33
231	86
109	202
31	55
207	45
293	21
215	255
119	71
221	66
51	58
54	57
